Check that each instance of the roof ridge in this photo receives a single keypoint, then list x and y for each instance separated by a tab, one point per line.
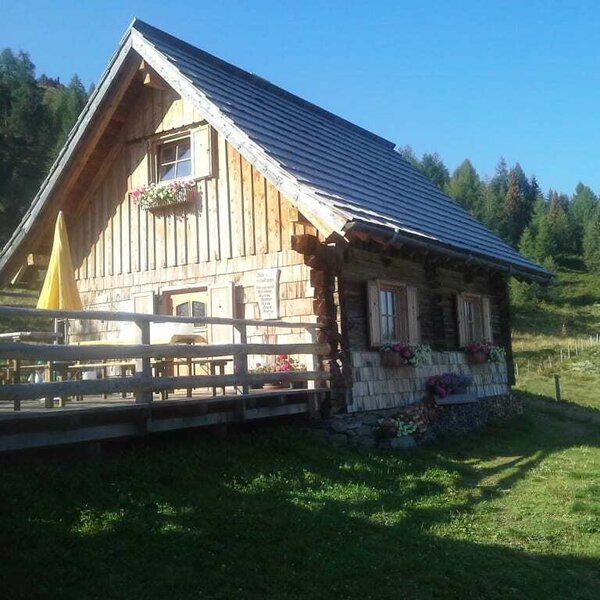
149	30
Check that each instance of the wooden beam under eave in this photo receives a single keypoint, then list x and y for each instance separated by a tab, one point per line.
151	78
155	81
38	260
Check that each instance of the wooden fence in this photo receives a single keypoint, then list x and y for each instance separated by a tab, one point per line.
144	383
550	358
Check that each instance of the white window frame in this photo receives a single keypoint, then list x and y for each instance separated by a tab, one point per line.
407	323
156	156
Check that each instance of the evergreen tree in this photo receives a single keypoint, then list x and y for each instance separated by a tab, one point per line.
25	138
465	187
407	153
559	223
591	243
65	105
492	213
582	210
515	207
434	168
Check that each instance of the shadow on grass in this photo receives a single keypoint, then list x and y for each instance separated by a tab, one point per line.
270	514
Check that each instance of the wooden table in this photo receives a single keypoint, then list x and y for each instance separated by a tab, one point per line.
212	366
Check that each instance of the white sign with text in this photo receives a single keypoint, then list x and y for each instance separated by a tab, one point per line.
267	293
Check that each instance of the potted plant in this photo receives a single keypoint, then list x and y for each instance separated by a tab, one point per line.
284	363
448	384
397	354
160	196
395	433
479	353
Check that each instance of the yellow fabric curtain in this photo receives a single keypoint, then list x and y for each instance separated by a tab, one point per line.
60	289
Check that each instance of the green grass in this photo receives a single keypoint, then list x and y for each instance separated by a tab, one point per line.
540	332
22	323
512	512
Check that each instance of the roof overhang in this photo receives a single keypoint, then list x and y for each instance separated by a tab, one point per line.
391	236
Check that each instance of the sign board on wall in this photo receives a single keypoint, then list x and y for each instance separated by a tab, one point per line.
267	293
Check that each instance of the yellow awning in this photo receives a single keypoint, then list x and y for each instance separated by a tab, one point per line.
60	289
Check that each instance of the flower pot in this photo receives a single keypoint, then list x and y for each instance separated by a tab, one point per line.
392	359
478	358
274	386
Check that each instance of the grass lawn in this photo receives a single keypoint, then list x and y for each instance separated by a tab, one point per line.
510	513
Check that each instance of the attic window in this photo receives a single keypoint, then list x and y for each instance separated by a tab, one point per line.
174	160
185	155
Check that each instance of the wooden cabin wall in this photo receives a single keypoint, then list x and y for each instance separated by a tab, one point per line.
373	386
437	297
241	224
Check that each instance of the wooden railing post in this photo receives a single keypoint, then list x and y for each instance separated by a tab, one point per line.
240	366
146	366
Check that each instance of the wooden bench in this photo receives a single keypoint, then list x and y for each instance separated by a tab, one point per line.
103	367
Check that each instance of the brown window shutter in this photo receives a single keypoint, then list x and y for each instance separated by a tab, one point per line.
204	149
487	319
414	325
460	321
374	313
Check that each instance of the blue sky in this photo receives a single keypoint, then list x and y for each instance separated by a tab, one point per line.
464	78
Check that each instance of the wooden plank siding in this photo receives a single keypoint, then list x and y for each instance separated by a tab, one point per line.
240	224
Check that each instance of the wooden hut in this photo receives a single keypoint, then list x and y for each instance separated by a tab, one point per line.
290	212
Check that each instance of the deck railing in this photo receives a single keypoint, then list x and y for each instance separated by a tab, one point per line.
145	383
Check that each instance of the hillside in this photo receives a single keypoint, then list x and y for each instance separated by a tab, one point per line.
568	322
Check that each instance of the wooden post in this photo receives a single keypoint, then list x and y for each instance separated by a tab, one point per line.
557	387
49	400
17	379
240	368
146	370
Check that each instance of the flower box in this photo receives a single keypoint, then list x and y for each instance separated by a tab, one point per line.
448	384
479	353
455	399
177	195
400	354
190	201
393	359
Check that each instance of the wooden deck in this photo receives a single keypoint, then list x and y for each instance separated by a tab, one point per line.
97	419
68	411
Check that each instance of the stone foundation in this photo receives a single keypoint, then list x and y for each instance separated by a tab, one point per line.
431	420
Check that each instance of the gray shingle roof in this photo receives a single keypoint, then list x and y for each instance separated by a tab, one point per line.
357	174
354	171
